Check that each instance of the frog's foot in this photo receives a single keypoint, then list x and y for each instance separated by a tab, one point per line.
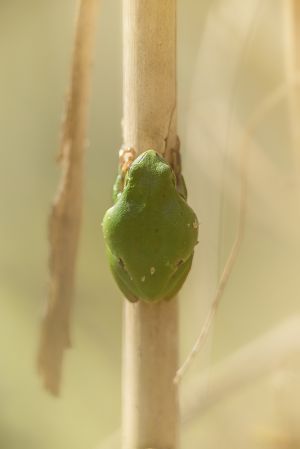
126	157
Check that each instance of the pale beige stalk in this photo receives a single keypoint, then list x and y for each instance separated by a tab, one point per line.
150	408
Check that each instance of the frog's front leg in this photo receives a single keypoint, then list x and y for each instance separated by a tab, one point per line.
126	157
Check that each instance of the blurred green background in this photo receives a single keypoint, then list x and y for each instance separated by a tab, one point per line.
231	55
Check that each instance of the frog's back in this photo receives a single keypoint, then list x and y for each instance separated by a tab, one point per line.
152	231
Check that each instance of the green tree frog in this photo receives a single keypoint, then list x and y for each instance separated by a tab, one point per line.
150	232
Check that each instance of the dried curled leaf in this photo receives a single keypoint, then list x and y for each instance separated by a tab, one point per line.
65	216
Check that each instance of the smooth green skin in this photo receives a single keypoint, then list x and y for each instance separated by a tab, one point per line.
150	232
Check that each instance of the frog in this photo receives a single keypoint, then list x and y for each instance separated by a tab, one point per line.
150	232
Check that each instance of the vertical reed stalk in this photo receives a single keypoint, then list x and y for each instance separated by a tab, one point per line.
150	409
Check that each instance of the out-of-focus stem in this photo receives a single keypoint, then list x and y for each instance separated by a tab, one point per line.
291	14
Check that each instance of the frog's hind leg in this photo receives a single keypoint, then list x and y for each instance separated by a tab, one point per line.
177	280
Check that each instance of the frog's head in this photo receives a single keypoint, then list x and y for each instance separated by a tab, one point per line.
150	170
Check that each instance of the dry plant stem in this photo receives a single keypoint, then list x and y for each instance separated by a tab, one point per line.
224	277
150	408
254	121
261	357
291	14
65	216
150	354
